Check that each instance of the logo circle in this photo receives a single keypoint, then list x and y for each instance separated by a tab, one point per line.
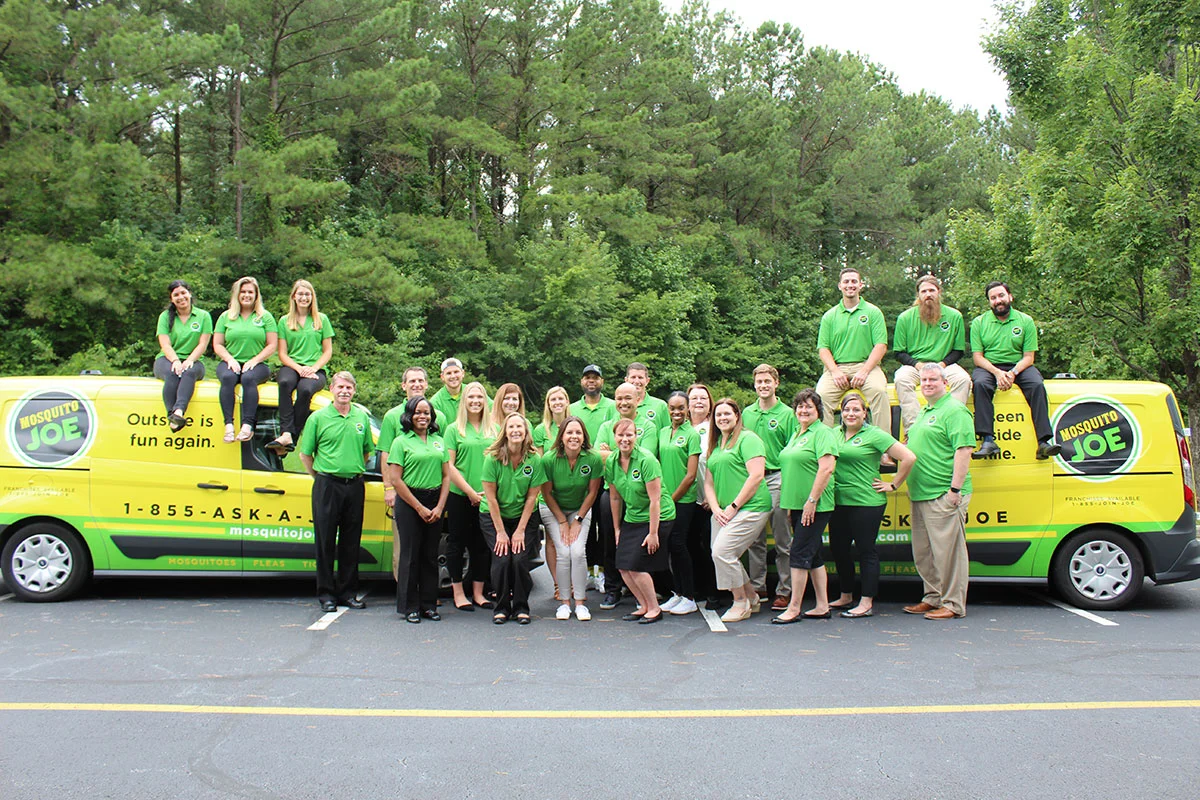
1016	330
51	427
1100	438
773	424
636	474
862	319
586	469
527	470
945	325
650	414
195	325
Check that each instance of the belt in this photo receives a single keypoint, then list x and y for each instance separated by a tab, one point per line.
336	479
771	471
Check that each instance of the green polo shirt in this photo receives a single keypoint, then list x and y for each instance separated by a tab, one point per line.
245	337
389	426
774	427
445	404
512	483
631	485
468	454
653	410
729	471
851	334
929	342
184	336
858	466
421	459
1004	342
939	432
338	444
543	440
594	416
304	343
675	447
647	436
800	461
570	485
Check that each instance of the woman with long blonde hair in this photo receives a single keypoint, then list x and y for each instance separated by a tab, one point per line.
244	337
305	347
466	438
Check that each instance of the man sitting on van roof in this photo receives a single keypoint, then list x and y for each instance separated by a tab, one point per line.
1004	343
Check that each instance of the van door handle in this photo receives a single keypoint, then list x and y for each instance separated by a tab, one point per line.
265	490
220	486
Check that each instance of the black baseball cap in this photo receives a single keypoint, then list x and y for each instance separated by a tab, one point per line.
593	368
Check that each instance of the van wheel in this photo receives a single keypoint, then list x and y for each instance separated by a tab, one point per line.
45	562
1098	569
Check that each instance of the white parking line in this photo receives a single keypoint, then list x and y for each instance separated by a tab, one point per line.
1079	612
714	621
4	597
327	618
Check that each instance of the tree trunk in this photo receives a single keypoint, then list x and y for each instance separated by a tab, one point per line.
178	152
237	145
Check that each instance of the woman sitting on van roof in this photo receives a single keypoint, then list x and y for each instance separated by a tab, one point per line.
305	347
244	338
183	335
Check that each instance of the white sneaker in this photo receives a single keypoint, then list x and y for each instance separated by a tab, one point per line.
583	613
599	582
686	605
670	604
564	612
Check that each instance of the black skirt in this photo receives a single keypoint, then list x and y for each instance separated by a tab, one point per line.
632	556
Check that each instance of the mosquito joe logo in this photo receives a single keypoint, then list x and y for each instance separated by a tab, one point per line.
51	428
1100	438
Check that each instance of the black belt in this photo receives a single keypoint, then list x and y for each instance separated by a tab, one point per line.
336	479
771	471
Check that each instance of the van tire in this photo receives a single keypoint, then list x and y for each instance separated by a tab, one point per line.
1099	569
45	562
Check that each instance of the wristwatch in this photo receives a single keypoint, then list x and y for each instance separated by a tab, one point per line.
956	491
578	518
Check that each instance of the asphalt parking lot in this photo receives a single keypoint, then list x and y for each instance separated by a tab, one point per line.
214	689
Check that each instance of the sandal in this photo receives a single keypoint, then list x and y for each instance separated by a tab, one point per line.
280	448
499	619
176	422
524	619
245	434
230	436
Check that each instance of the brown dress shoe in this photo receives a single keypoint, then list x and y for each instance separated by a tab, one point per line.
919	608
781	602
941	613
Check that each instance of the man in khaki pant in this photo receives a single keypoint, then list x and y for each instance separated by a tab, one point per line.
851	342
940	489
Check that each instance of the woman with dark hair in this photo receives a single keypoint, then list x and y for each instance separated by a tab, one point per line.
244	338
642	518
573	476
305	347
806	466
183	335
512	478
466	438
679	454
421	477
860	500
740	503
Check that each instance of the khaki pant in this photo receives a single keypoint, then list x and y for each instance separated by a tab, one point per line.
729	542
908	391
874	390
783	543
939	543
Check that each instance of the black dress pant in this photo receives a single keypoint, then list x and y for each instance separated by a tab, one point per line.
177	389
293	415
417	572
464	534
608	541
683	580
510	572
856	525
699	538
1030	383
337	508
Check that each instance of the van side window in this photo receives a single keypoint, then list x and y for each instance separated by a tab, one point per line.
255	454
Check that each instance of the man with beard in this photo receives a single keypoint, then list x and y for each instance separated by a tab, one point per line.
1004	343
593	408
929	332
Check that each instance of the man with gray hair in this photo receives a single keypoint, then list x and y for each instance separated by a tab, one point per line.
940	489
928	332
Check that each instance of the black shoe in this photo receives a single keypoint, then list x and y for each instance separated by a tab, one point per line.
1048	449
413	617
610	601
433	615
328	605
354	602
649	620
988	448
632	617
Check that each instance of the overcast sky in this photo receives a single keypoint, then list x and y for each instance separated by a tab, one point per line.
927	44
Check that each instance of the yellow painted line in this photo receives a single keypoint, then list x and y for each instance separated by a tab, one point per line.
702	713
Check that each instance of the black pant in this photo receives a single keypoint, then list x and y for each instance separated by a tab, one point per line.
337	509
681	558
699	538
806	540
1031	385
249	379
177	389
293	416
465	534
510	572
608	543
860	525
417	572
